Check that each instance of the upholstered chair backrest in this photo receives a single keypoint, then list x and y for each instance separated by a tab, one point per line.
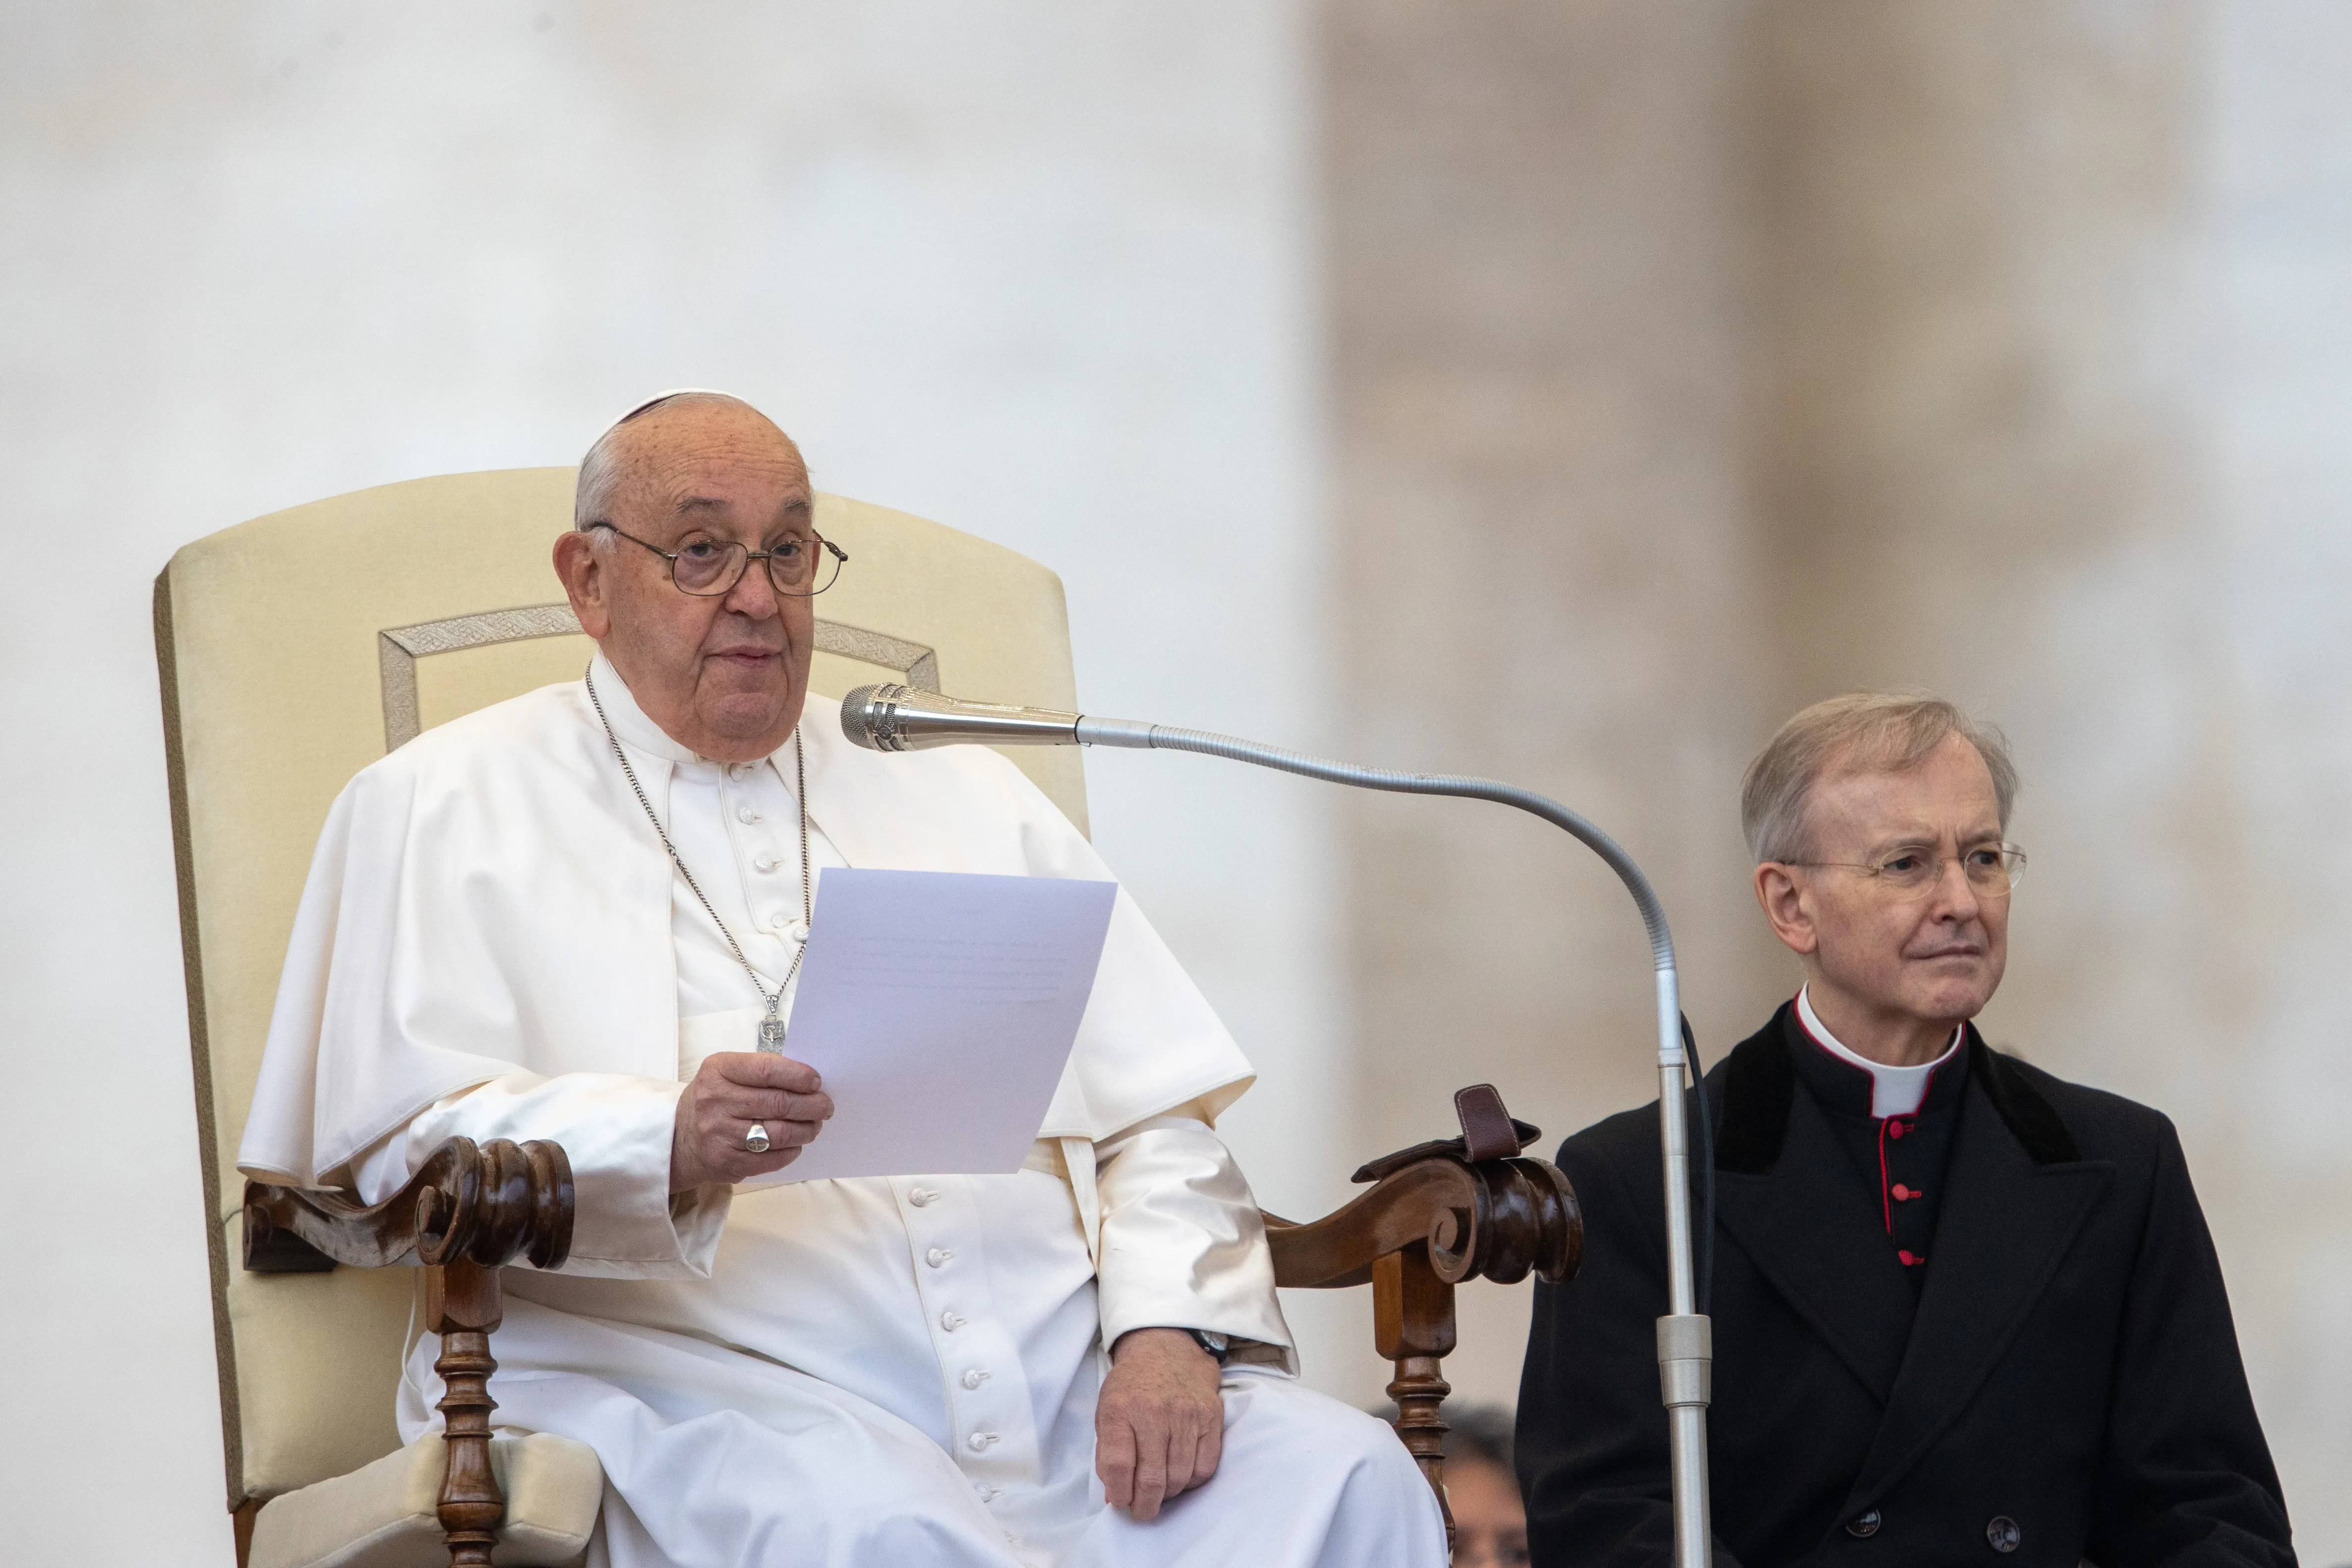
297	648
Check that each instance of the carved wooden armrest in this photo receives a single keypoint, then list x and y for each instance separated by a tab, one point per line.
1437	1214
467	1210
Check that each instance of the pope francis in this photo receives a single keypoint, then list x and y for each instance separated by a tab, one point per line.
578	916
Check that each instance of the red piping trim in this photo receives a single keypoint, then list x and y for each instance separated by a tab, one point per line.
1885	1205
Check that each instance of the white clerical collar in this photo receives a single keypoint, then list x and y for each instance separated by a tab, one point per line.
1894	1090
629	720
639	731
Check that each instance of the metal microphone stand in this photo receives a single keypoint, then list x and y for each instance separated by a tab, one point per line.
1686	1340
898	718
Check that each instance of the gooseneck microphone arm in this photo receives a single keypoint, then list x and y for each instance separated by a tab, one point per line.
897	718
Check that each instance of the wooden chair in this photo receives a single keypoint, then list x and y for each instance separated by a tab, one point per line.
297	648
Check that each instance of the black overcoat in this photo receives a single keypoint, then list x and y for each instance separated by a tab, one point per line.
2063	1386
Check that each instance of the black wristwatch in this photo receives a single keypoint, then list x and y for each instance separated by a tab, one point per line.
1215	1343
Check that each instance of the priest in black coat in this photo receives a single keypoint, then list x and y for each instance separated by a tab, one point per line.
1964	1311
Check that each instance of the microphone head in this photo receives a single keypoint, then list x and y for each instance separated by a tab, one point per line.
902	718
865	716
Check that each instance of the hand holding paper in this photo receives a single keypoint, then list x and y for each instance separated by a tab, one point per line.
729	1090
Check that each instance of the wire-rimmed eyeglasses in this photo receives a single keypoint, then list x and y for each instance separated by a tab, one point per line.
1993	869
799	566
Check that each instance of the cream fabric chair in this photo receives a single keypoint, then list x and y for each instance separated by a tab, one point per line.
295	650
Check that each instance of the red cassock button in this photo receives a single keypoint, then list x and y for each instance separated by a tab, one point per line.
1894	1128
1904	1194
1910	1260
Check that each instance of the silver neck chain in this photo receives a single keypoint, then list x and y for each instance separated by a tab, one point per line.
800	791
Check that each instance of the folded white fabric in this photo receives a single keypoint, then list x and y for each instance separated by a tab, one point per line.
381	1515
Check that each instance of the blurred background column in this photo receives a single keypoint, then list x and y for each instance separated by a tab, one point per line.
1543	561
1694	363
2049	392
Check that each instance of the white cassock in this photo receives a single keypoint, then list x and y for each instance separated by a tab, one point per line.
899	1371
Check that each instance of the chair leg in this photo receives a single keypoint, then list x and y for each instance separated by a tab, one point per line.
1413	1326
463	1305
241	1520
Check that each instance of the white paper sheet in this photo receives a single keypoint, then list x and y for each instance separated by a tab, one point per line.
940	1007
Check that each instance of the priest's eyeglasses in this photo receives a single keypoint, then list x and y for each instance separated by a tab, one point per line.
800	565
1992	870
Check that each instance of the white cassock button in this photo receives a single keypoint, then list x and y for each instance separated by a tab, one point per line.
763	862
745	814
989	1494
779	921
795	929
920	1196
949	1322
975	1377
979	1440
937	1256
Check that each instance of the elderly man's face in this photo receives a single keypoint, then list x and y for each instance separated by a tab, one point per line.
723	675
1885	958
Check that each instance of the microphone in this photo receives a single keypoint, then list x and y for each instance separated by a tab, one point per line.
899	718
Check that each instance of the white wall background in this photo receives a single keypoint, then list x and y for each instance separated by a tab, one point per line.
1038	271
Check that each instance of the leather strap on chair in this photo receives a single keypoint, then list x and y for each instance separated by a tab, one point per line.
1487	1131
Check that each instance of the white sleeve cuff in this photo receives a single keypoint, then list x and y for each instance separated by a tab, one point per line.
615	1130
1182	1244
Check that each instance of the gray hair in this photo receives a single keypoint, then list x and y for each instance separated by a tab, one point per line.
1862	732
600	470
1481	1432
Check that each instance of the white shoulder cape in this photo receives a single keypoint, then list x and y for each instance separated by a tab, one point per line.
489	898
